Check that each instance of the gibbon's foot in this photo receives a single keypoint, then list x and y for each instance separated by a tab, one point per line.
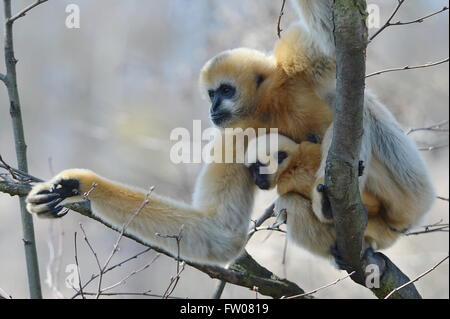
325	201
312	139
45	202
361	168
340	263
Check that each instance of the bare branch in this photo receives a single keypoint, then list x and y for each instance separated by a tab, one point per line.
3	78
247	272
321	288
388	22
436	227
8	168
80	285
432	147
279	30
416	279
419	20
407	67
120	264
433	128
443	198
24	11
119	238
145	293
123	280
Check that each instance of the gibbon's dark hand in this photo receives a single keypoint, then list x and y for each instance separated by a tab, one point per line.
46	201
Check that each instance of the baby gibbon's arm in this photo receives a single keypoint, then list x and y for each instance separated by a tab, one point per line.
214	227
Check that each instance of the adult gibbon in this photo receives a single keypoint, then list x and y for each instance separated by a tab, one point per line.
295	175
291	90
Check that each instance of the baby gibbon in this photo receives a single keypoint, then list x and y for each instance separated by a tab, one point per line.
295	166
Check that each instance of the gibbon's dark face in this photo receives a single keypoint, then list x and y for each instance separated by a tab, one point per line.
222	102
266	181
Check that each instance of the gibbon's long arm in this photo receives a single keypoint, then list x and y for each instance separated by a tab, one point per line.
213	229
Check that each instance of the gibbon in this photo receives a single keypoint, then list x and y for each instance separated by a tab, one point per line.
295	175
291	90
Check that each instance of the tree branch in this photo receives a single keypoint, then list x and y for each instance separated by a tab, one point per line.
3	78
10	79
23	12
407	67
245	272
341	174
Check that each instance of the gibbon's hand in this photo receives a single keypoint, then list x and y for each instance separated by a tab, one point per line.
45	198
320	202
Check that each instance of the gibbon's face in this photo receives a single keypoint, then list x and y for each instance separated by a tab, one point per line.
267	160
232	81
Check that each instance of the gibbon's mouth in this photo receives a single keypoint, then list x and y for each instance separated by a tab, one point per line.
218	118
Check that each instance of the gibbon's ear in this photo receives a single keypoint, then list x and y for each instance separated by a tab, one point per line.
281	156
259	80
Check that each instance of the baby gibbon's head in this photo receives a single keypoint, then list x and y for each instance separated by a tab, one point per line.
232	81
267	157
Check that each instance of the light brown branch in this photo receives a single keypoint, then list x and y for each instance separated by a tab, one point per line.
415	279
407	67
433	128
419	20
320	288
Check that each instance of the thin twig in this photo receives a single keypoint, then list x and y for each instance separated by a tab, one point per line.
432	147
24	177
3	78
8	168
320	288
119	238
416	279
4	294
442	198
122	281
180	267
419	20
407	67
111	268
145	293
433	128
78	267
388	22
91	248
436	227
23	12
279	30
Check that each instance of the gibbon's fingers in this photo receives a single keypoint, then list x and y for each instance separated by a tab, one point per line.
361	168
56	212
44	199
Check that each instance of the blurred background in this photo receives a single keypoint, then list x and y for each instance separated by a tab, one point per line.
107	95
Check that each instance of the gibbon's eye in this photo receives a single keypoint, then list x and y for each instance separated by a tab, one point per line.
281	156
211	94
259	80
227	91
